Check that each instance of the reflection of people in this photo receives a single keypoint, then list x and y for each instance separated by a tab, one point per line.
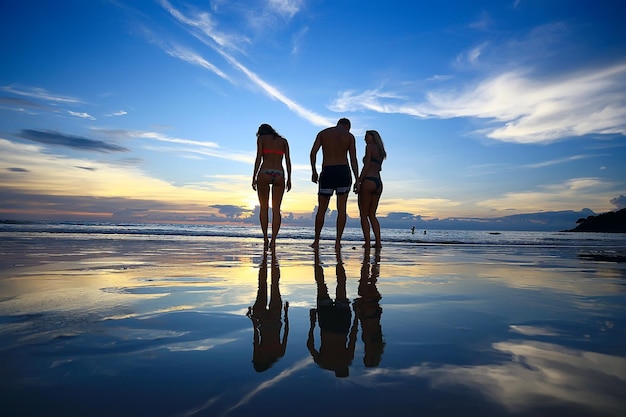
368	311
369	185
337	144
266	319
268	172
337	330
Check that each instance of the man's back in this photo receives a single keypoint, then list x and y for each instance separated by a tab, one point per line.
335	143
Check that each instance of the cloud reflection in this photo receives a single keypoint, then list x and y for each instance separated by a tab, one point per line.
538	375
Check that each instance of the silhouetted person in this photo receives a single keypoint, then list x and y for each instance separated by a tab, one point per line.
337	145
368	311
266	319
369	186
268	173
337	330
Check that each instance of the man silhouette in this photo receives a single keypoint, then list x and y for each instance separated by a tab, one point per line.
337	145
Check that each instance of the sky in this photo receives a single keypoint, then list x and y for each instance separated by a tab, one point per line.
123	110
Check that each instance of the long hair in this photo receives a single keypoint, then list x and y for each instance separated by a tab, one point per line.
266	129
378	141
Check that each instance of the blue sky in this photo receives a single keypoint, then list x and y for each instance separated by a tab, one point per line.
147	110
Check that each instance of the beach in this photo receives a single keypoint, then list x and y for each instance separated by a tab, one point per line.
197	324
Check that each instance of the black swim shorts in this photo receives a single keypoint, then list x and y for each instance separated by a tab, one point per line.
335	178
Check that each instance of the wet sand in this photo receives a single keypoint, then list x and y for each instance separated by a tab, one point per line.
190	326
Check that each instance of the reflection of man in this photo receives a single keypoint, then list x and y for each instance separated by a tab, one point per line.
337	143
266	320
368	311
335	320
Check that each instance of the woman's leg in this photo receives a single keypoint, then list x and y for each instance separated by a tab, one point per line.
365	200
372	216
278	190
263	191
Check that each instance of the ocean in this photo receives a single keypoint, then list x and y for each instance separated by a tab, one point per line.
106	230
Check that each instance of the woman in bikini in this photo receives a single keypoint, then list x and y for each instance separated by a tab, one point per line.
269	173
369	186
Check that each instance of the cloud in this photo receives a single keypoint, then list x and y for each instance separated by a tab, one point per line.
558	161
59	186
519	107
81	115
41	94
203	28
619	202
187	55
16	169
117	113
377	101
20	102
558	196
195	147
50	137
542	373
288	8
230	210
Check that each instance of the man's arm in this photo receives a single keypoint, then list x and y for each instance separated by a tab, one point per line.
316	147
353	161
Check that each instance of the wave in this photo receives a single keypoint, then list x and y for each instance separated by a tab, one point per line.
390	236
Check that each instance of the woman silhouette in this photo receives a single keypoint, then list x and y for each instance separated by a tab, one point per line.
266	319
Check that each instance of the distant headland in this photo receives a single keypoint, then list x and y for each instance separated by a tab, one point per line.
610	222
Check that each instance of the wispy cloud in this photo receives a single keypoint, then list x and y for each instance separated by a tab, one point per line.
192	57
525	110
287	8
211	149
20	102
117	113
203	28
558	161
556	196
82	115
41	94
50	137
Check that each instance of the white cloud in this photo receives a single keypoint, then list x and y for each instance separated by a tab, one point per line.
287	8
81	115
118	113
191	57
41	94
524	109
189	146
203	29
559	196
558	161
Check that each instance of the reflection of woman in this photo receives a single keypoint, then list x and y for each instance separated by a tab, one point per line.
335	320
266	320
268	173
369	186
368	311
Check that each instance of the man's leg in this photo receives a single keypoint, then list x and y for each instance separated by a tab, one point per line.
342	204
322	206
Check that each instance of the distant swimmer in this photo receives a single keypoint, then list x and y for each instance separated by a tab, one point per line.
413	230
